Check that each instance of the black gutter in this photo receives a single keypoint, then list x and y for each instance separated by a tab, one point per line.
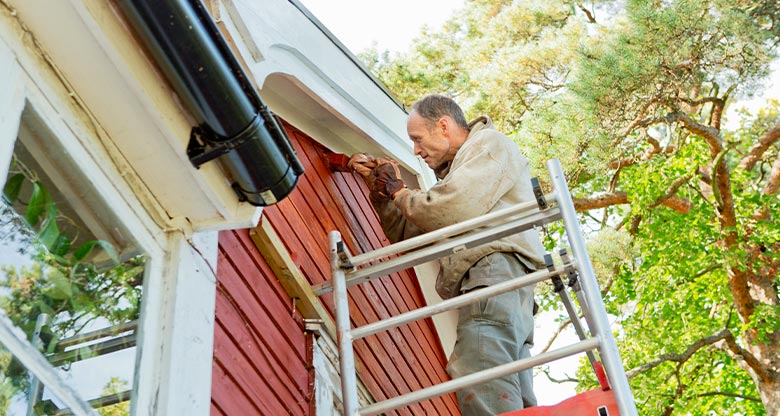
234	125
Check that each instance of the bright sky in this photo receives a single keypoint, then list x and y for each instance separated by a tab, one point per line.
391	24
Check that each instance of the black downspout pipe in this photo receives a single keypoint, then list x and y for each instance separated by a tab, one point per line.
234	125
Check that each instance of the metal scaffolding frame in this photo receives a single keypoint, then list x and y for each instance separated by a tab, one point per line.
347	271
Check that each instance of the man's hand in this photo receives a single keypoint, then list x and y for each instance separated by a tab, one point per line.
388	178
363	164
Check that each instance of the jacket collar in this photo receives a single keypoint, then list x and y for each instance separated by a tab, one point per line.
476	125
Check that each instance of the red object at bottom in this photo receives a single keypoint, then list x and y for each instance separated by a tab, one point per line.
596	402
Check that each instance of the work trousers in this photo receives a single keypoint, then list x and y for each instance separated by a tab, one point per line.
492	332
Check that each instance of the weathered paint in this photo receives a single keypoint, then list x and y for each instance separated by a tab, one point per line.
260	356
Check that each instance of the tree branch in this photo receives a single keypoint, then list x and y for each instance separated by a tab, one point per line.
695	103
773	182
557	332
721	393
681	205
681	358
588	13
758	148
739	352
654	149
634	228
710	134
649	121
716	115
601	201
568	379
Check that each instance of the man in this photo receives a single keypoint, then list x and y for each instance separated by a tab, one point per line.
479	170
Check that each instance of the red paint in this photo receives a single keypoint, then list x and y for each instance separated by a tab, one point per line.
260	356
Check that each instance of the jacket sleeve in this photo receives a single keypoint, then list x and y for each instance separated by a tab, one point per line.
471	189
394	225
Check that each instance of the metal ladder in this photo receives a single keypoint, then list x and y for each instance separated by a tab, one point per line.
347	271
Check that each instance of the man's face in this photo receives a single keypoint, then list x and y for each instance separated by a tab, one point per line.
430	141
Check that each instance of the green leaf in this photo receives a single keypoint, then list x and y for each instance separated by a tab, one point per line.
52	344
60	247
39	200
12	188
58	286
83	250
44	307
49	232
109	249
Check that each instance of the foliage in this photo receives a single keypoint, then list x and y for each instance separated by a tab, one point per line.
74	285
632	98
114	386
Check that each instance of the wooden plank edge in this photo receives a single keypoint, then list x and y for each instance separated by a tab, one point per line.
292	280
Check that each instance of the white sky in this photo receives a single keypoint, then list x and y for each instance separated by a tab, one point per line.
391	24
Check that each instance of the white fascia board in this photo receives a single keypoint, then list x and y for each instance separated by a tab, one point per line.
353	111
126	97
33	88
45	95
216	205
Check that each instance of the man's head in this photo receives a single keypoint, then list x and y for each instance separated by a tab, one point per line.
438	129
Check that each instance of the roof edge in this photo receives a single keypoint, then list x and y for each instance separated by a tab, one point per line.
347	52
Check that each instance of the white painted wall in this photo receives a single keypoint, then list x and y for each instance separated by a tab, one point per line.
175	341
11	105
182	324
79	67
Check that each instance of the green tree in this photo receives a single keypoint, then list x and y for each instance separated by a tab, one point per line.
69	283
115	386
631	97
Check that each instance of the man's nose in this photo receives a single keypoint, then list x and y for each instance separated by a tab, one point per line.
417	149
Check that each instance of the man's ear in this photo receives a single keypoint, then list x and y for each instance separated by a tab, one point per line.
444	125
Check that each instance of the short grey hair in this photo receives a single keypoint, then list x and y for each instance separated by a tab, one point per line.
435	106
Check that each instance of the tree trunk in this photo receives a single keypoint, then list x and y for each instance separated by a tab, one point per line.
770	395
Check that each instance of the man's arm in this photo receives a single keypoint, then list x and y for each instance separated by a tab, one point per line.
394	225
472	189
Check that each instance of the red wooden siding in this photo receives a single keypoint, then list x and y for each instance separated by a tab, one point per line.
260	354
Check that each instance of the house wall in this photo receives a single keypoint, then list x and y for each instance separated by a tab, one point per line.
38	101
113	112
260	361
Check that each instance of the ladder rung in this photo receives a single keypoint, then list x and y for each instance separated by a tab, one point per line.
93	350
446	232
100	333
479	377
454	303
472	239
99	402
450	240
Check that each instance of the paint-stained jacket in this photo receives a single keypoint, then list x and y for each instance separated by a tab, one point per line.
488	173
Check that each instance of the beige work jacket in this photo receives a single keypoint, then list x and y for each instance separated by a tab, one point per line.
488	173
